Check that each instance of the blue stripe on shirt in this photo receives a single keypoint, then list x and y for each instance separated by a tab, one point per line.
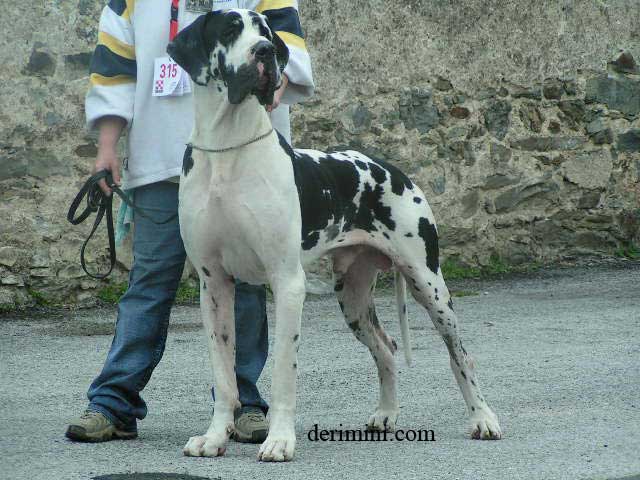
108	64
285	20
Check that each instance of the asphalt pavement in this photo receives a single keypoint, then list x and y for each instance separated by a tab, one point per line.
557	353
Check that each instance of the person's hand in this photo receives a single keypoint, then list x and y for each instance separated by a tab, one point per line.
277	95
107	159
109	130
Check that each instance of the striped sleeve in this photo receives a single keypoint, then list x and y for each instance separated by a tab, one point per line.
113	66
284	19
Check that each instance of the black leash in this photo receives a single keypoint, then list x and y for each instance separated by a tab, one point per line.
98	202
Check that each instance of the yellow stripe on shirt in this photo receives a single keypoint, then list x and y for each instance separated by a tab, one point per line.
273	5
99	80
116	46
293	40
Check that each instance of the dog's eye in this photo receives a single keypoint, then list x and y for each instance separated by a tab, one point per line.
264	32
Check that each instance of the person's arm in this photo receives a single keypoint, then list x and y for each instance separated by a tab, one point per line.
113	72
109	130
284	20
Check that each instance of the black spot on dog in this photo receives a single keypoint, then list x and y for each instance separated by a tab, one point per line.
450	304
394	344
204	285
386	235
473	383
341	306
296	337
404	309
338	286
408	235
362	165
355	326
310	240
378	174
225	338
473	409
295	365
187	161
206	272
417	200
371	208
463	375
399	181
440	312
373	318
428	233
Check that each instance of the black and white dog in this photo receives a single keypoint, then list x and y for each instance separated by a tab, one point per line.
252	208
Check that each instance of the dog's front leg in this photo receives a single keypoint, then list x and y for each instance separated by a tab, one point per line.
289	293
216	304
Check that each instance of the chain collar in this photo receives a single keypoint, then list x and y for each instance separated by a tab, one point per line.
220	150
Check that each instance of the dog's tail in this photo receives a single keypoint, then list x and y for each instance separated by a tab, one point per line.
401	299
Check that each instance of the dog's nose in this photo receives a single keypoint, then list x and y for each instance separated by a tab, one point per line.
263	50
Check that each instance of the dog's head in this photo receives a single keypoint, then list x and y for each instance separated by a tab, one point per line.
237	48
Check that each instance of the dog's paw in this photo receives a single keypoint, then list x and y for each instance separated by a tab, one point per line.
205	446
485	426
383	421
277	447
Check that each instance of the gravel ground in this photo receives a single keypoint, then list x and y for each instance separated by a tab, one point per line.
558	357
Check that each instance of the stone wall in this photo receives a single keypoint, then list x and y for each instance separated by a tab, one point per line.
511	115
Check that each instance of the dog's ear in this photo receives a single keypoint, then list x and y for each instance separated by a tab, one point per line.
282	51
190	49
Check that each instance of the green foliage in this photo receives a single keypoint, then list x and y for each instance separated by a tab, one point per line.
40	298
464	293
497	266
452	270
111	293
630	251
188	293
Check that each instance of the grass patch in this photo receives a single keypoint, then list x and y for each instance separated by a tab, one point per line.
464	293
40	298
111	293
630	251
187	293
452	270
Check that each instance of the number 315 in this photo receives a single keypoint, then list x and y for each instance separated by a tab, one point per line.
168	70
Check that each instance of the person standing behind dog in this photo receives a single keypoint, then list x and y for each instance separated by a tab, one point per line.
132	40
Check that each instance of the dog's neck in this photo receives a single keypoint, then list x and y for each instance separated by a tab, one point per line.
219	124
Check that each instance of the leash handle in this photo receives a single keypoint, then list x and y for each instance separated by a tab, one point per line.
101	204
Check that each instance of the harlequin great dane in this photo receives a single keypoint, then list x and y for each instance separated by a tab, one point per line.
252	208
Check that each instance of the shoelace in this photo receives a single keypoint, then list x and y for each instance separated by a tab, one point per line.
88	414
255	416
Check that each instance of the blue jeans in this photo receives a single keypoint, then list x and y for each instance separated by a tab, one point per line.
143	317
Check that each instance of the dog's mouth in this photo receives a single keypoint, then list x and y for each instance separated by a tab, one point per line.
267	82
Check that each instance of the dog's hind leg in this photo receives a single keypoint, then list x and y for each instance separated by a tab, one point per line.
216	305
430	290
354	285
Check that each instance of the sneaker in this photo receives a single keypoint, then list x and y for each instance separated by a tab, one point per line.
95	427
251	425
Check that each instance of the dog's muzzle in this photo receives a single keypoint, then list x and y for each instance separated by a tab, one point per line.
268	79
